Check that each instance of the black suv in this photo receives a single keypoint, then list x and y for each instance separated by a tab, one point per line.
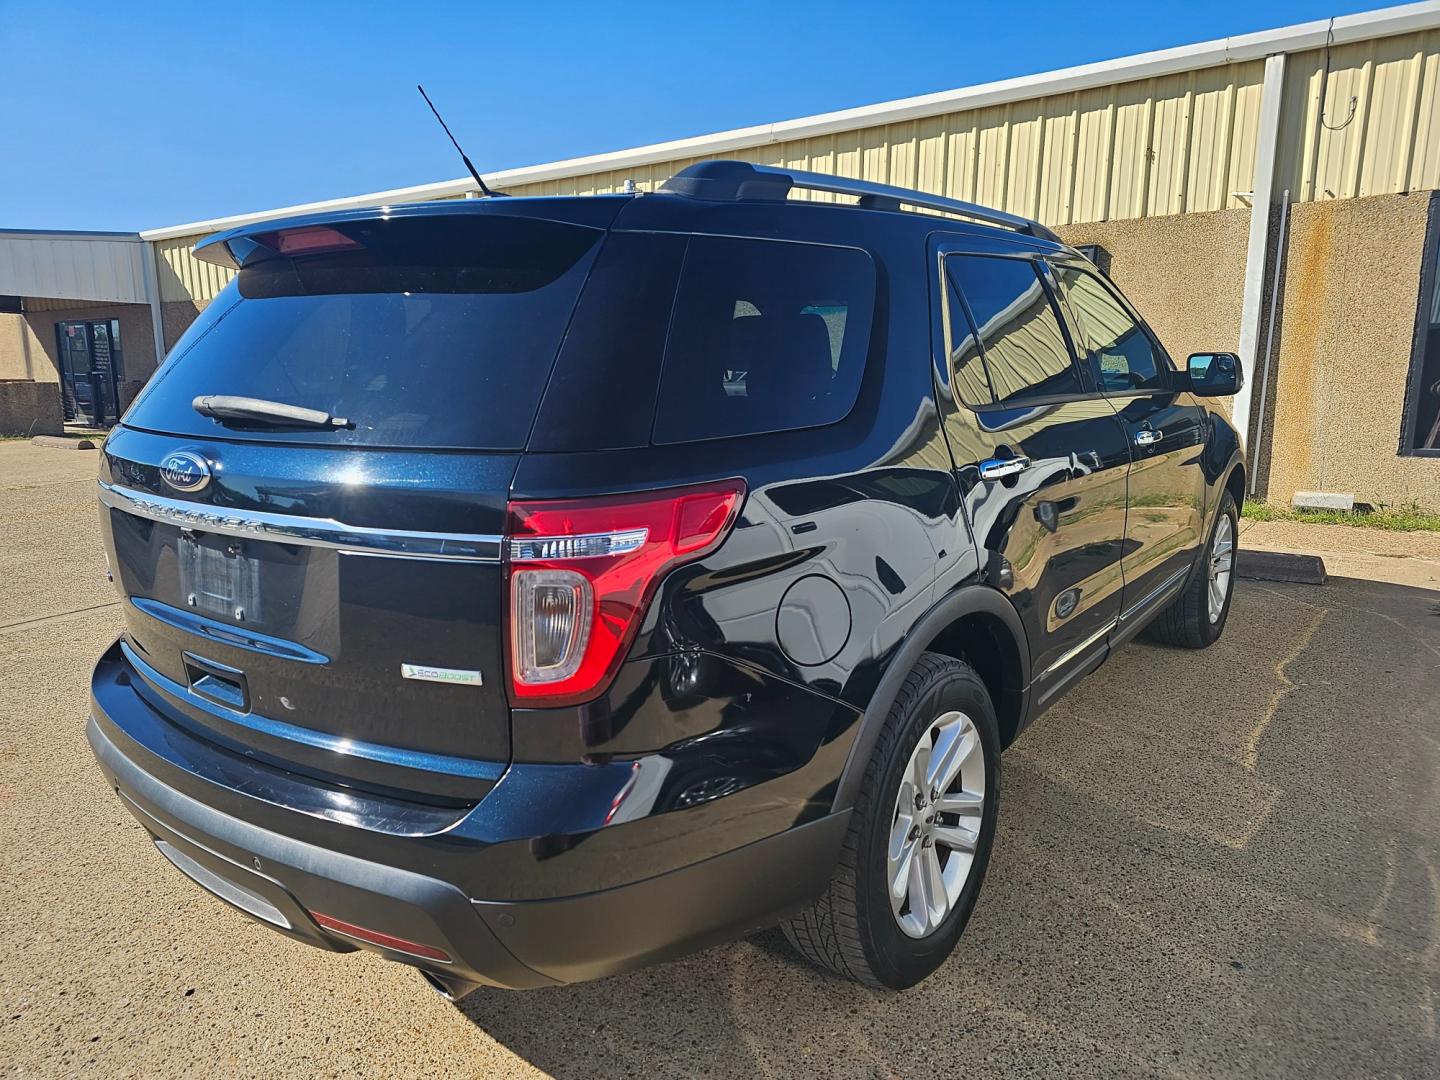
531	589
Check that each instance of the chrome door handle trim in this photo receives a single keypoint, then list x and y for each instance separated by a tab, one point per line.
1147	437
999	468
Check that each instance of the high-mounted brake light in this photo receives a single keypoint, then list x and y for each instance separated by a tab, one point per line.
582	572
309	240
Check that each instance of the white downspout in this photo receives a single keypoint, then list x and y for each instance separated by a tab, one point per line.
152	297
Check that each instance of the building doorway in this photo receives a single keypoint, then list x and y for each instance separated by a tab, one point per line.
91	370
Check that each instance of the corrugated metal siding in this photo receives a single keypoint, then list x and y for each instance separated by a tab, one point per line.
1160	146
1380	130
184	277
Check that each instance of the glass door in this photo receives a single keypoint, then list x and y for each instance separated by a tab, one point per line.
90	370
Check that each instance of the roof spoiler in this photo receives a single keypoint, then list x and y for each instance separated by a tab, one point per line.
256	240
739	181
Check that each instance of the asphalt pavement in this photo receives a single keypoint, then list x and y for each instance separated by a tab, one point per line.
1209	864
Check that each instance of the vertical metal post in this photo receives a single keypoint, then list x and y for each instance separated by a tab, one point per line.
1257	253
152	297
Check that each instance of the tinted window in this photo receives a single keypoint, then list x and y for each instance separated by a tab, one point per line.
1014	319
766	336
433	331
1121	354
967	369
601	395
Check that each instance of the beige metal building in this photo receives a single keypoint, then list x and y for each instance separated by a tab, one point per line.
1306	158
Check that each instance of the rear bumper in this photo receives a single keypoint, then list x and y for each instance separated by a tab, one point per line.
267	864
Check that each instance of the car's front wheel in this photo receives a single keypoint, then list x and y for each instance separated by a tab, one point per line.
919	838
1196	618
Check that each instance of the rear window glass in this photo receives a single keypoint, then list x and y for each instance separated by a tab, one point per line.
766	336
436	332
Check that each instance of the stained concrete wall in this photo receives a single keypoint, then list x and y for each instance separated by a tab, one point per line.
17	360
1184	273
30	408
1346	335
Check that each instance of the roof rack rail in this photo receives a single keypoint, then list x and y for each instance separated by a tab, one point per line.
735	180
877	195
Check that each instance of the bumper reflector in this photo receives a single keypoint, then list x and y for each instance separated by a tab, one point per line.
384	941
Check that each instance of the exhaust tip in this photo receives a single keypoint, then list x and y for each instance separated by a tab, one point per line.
450	989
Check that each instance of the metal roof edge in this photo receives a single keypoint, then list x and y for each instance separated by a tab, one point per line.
69	234
1385	22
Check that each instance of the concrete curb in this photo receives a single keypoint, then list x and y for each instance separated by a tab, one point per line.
1280	566
57	442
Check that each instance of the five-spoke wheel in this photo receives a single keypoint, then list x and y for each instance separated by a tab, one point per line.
936	826
1222	563
919	837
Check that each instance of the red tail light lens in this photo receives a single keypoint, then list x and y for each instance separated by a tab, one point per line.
582	572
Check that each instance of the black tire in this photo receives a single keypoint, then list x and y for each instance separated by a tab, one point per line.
852	930
1187	622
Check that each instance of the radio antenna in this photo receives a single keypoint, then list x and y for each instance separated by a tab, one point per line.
484	189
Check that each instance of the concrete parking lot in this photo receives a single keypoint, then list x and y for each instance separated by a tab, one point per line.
1213	864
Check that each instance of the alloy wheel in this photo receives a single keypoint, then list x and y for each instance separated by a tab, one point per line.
936	825
1222	562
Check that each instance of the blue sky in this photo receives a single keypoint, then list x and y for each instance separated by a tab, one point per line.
131	116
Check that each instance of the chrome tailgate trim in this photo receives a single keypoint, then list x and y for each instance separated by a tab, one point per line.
314	532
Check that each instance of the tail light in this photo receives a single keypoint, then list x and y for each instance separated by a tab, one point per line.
582	572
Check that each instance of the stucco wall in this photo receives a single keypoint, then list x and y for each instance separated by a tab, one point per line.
16	359
30	408
1346	334
1184	273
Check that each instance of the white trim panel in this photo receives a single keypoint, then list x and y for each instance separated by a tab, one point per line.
73	266
1258	251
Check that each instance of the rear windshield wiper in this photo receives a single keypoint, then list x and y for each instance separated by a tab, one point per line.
251	410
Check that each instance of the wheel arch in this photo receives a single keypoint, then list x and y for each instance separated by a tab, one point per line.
1235	484
974	623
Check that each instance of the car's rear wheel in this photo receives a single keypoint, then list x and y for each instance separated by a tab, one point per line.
1196	618
920	836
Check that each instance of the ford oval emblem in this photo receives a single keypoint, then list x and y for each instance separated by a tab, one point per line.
185	470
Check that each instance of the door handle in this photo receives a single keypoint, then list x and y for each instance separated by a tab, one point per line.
1148	437
999	468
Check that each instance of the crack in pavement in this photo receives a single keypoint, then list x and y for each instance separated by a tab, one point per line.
6	628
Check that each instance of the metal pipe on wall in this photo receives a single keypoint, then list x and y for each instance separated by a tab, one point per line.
151	278
1270	336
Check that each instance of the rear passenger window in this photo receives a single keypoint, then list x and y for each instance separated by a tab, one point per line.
1017	327
967	369
766	336
1121	354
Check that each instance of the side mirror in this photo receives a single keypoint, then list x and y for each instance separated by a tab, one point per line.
1214	374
